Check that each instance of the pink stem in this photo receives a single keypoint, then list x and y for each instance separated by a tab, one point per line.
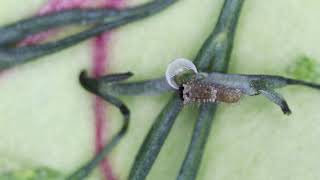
99	68
100	61
100	49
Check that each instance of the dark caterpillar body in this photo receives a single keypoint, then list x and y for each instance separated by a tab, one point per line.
228	95
200	92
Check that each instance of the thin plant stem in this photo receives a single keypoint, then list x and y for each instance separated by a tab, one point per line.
215	57
156	136
15	32
10	57
86	169
155	139
140	88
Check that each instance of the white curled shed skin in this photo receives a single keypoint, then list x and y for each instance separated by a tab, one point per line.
176	67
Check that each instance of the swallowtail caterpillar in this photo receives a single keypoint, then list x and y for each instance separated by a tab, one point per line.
182	75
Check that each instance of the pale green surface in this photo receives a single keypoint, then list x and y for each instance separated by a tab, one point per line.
305	68
46	118
32	174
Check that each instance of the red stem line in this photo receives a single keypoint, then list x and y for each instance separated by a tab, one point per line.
100	63
100	49
99	68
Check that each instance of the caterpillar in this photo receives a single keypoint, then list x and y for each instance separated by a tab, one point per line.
201	92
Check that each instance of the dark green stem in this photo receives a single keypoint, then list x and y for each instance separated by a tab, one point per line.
302	83
145	88
160	129
107	85
192	161
155	139
15	32
10	57
85	170
89	85
219	44
214	56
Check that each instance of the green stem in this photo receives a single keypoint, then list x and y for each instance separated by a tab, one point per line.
214	56
155	139
89	85
10	57
145	88
85	170
156	136
192	161
15	32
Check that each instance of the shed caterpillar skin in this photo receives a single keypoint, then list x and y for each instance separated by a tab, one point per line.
176	69
201	92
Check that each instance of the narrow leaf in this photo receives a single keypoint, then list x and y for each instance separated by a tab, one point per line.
10	57
15	32
156	137
213	56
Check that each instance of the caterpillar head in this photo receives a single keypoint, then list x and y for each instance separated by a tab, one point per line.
198	92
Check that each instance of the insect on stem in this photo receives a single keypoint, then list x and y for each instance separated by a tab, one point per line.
200	92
